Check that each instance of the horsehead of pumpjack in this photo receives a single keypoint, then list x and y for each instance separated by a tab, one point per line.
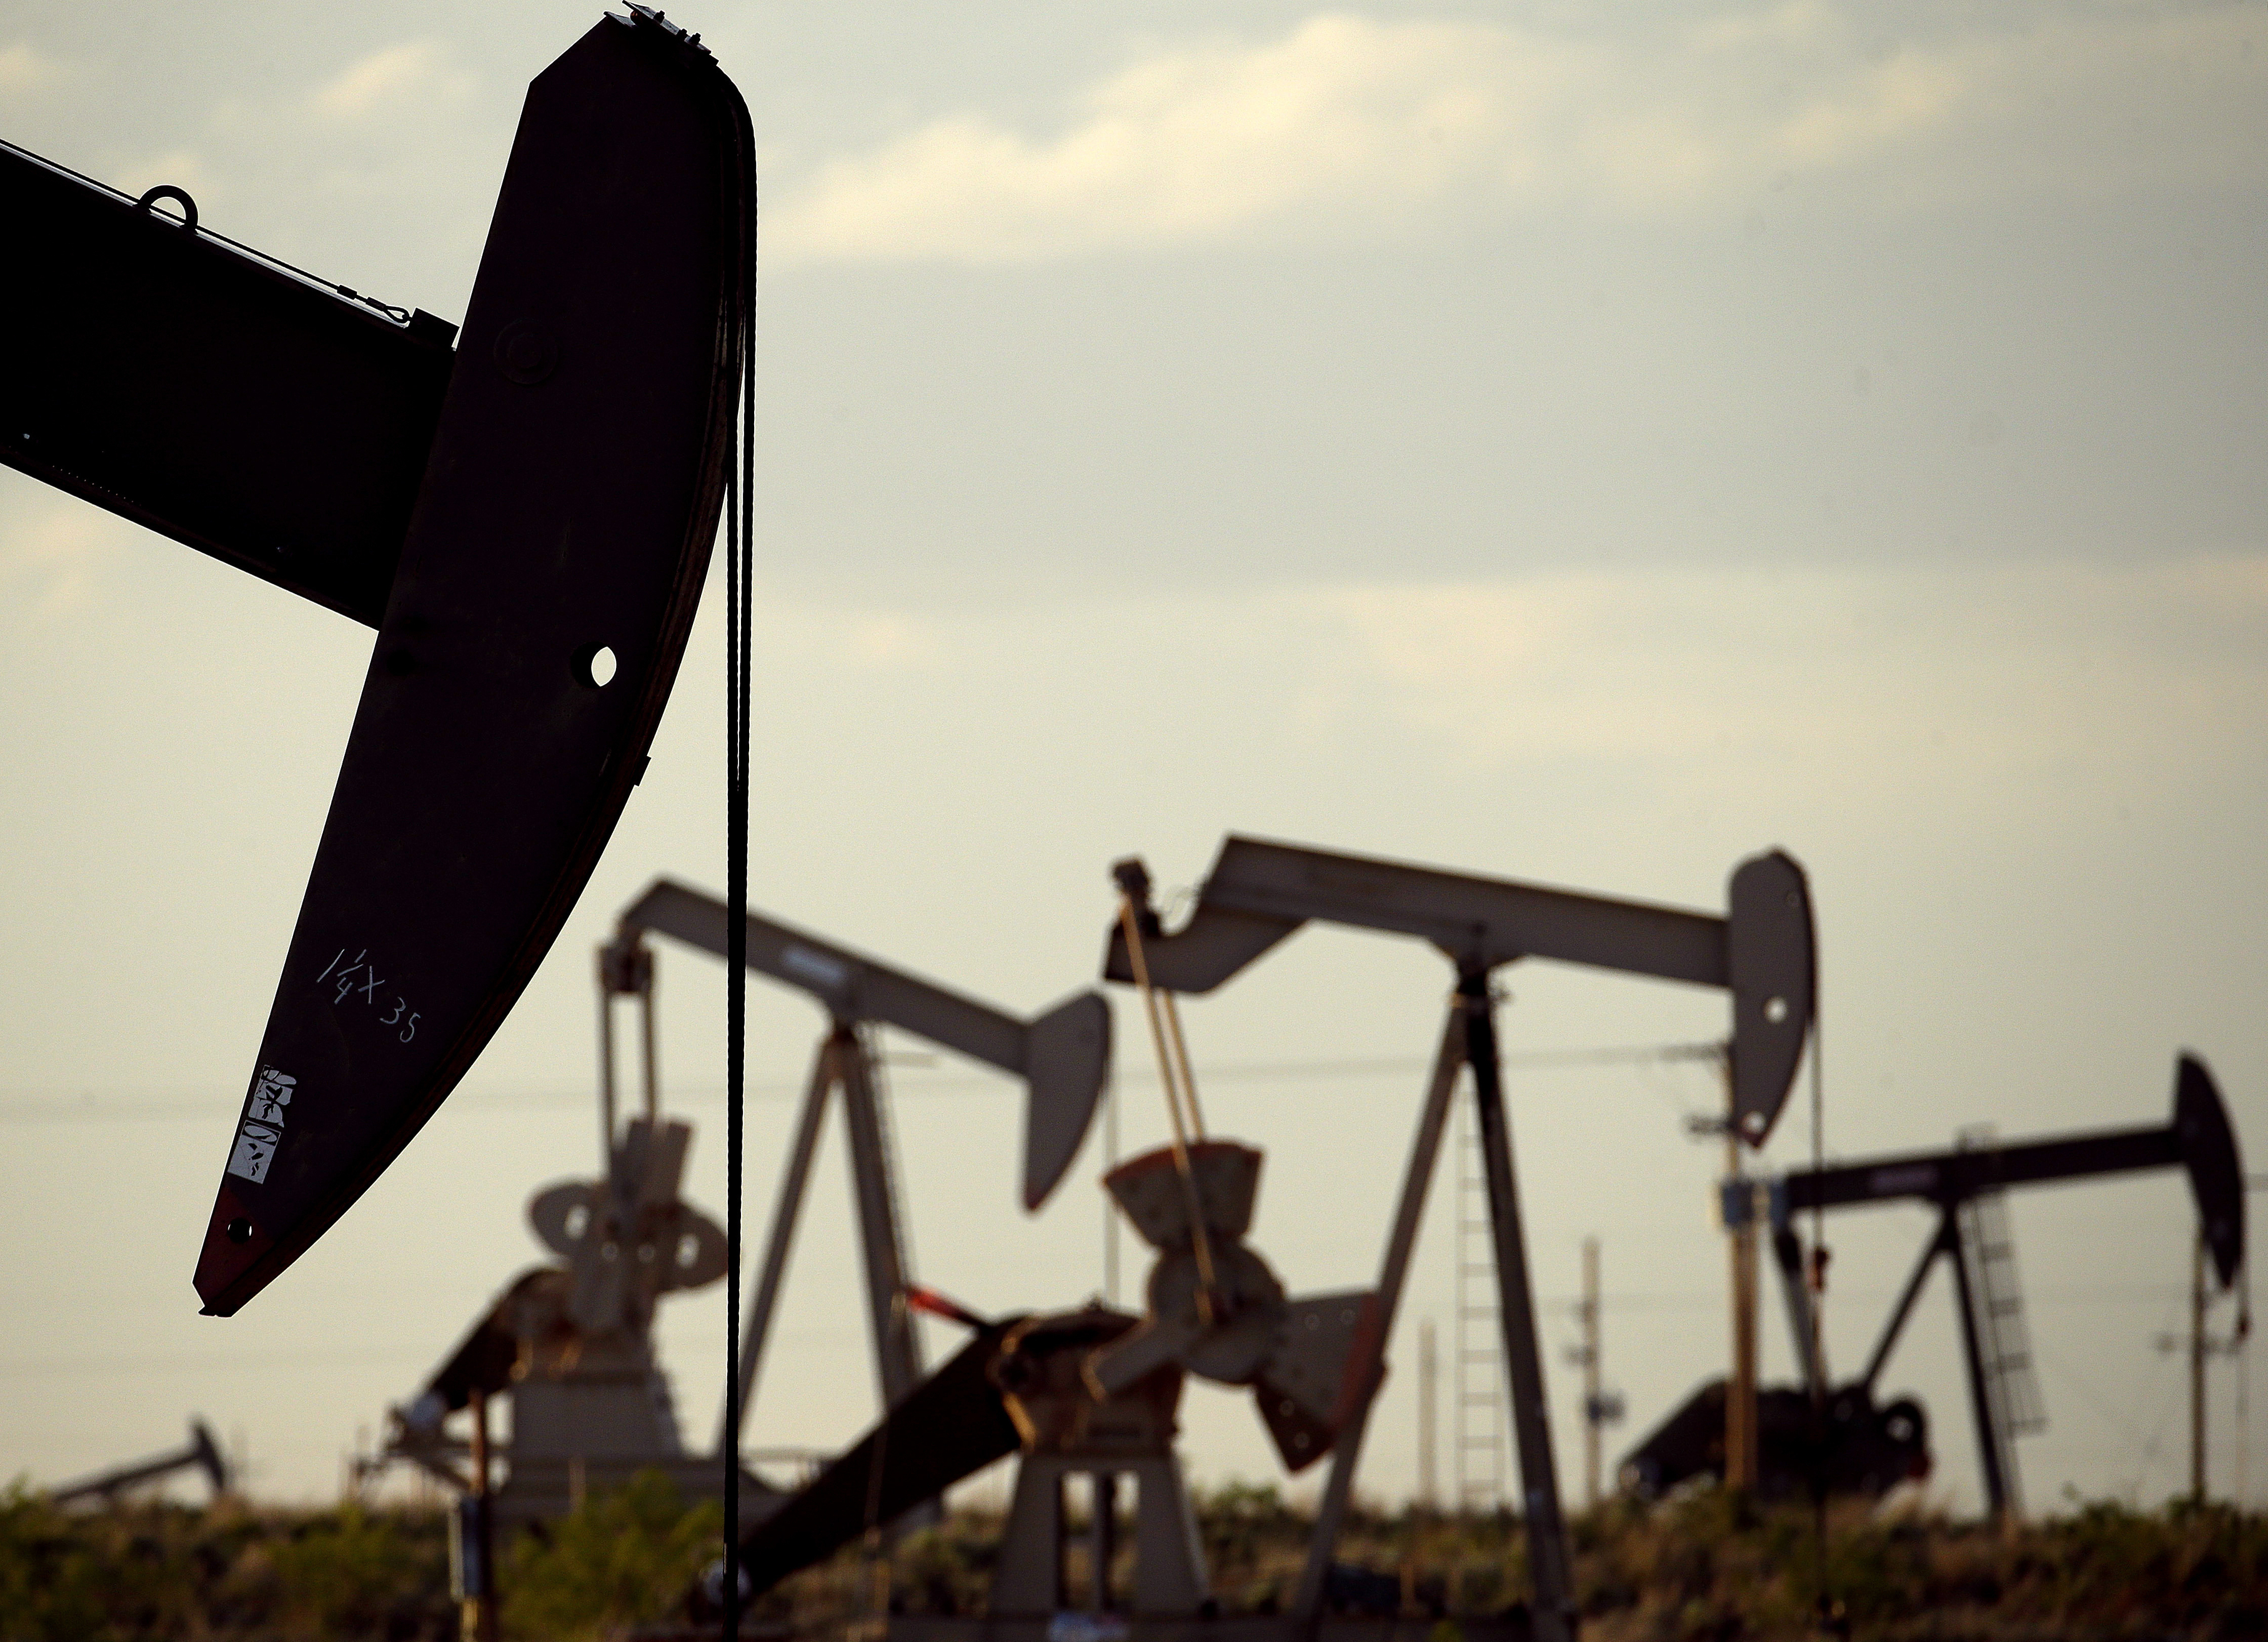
526	520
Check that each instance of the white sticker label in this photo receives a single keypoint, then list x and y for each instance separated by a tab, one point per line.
271	1094
255	1149
263	1124
1904	1178
814	966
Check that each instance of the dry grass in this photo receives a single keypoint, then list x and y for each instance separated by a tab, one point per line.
1694	1570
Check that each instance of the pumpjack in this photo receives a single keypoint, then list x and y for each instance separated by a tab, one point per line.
1062	1058
200	1454
1835	1436
1093	1392
571	1341
1090	1396
523	509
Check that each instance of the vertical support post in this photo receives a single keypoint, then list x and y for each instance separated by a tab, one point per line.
1547	1560
1740	1386
605	1065
649	1056
484	1600
2197	1370
897	1356
781	1236
1346	1452
1429	1493
1594	1409
1102	1538
1989	1449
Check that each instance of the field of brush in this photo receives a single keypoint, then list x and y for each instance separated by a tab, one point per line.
1700	1567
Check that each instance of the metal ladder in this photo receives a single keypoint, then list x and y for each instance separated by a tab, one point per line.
1478	1444
1988	1250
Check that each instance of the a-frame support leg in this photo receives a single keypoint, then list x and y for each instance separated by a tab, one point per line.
1992	1450
1900	1312
1308	1605
824	1074
1548	1560
898	1351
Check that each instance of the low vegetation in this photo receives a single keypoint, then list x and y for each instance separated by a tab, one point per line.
1702	1568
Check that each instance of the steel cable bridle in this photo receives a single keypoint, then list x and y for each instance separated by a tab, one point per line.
740	606
1129	919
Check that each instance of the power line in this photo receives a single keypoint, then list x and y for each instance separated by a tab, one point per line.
43	1367
92	1108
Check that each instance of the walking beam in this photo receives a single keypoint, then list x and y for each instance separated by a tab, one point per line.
1063	1056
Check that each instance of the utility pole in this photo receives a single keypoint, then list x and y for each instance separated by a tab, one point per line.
1428	1496
476	1536
1740	1386
2197	1349
1593	1408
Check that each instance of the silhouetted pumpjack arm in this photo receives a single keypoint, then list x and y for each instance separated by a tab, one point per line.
2198	1140
1760	950
1063	1055
527	522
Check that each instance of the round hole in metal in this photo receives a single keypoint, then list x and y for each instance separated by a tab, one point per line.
594	666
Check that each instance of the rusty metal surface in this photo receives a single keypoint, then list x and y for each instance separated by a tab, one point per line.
489	759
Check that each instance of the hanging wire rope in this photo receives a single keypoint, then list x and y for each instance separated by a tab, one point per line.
1130	918
739	626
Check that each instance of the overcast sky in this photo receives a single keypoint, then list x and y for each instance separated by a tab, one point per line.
1574	444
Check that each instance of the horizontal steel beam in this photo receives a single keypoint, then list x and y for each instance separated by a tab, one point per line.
851	986
1954	1176
1761	950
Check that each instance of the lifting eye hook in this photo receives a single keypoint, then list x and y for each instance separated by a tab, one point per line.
179	196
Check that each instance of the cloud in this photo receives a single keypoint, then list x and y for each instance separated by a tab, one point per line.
183	168
24	71
414	73
2019	674
1352	125
51	552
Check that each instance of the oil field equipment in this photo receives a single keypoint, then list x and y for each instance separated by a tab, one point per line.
1259	893
572	1342
1090	1397
201	1453
1815	1436
1093	1391
529	550
1062	1058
